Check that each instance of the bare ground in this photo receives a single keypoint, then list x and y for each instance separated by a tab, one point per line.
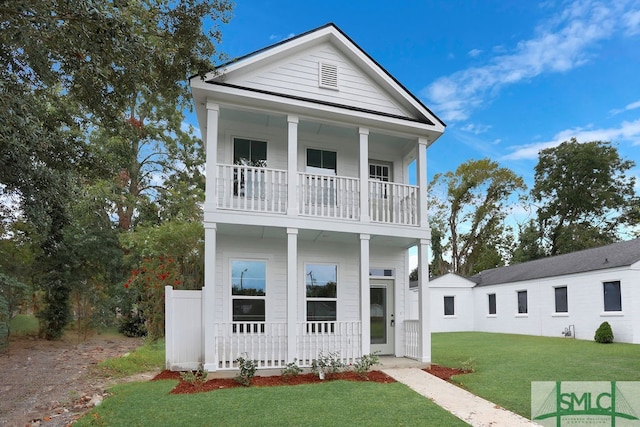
50	383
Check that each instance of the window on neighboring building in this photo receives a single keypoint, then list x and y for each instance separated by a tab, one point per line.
492	303
449	306
522	302
561	299
612	296
248	290
321	282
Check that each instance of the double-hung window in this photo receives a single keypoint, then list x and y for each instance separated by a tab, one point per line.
561	299
449	306
321	282
248	290
321	190
612	296
492	303
522	302
249	154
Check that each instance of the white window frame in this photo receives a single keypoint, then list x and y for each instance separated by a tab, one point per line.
444	308
604	301
248	297
518	312
318	299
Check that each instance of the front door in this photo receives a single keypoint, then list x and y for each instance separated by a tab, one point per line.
382	317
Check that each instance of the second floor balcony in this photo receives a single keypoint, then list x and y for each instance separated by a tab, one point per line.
267	190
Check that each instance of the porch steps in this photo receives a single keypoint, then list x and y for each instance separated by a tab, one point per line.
468	407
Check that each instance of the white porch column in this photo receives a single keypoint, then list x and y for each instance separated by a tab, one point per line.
209	299
211	193
424	312
292	293
364	177
292	166
365	295
421	169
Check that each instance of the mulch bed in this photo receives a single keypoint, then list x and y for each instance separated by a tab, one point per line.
185	387
443	372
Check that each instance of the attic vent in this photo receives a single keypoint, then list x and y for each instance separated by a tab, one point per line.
328	75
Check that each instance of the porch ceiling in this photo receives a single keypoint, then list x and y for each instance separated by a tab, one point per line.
261	232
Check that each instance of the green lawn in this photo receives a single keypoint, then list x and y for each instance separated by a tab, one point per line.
506	364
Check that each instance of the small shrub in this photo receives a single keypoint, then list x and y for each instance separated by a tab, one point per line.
292	370
195	377
364	364
247	370
468	365
132	326
330	364
604	334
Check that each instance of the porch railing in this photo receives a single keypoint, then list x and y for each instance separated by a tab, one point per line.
261	341
250	188
340	338
266	342
329	196
411	338
393	203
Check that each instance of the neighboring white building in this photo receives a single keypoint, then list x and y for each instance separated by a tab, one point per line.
573	293
309	210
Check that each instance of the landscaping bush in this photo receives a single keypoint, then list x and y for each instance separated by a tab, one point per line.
132	326
604	334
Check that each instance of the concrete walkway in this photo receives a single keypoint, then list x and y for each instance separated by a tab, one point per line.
464	405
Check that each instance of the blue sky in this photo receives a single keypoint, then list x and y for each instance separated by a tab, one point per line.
508	77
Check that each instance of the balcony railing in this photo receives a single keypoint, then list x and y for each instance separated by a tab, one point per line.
393	203
252	189
329	196
257	189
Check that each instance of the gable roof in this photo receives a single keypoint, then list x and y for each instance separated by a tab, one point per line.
243	74
619	254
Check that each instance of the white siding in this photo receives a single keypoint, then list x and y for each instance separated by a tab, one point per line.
298	76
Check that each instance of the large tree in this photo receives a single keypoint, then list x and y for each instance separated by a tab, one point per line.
583	194
71	68
469	206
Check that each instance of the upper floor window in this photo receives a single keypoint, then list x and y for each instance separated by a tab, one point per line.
379	172
522	302
249	152
321	282
322	161
449	306
492	303
561	299
612	296
248	290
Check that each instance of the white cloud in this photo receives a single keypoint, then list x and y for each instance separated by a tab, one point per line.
562	43
474	53
475	128
627	131
627	107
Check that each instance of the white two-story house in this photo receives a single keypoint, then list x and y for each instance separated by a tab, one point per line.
310	210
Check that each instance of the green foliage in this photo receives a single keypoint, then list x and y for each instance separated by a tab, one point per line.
198	376
468	209
529	244
468	365
564	175
291	370
604	334
148	357
363	364
24	325
247	370
327	364
132	325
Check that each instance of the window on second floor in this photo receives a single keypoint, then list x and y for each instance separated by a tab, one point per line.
522	302
321	283
612	296
249	152
322	161
449	306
